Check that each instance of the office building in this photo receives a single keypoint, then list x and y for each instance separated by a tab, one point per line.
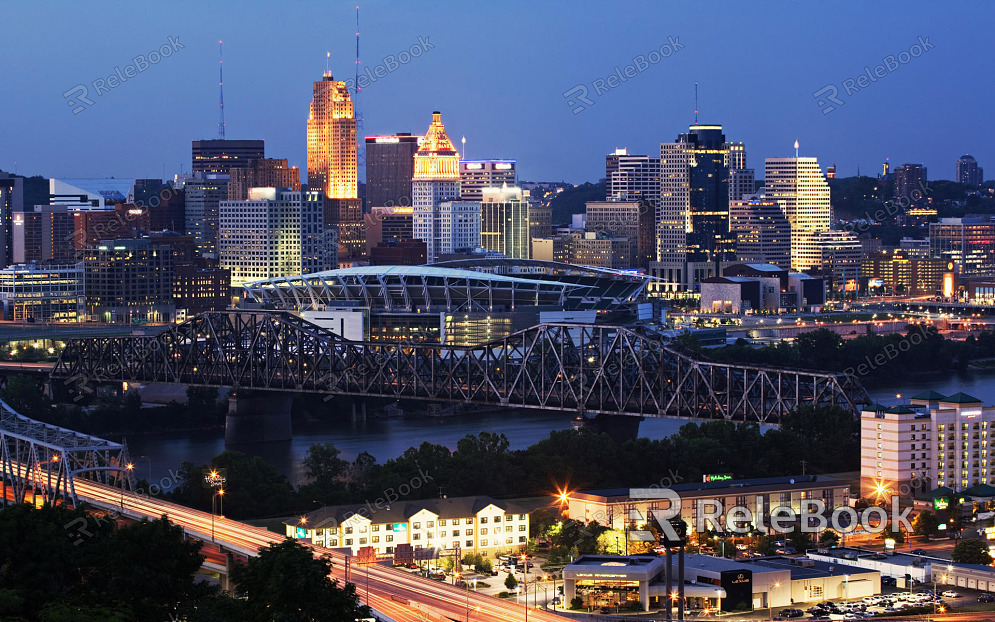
763	234
693	218
124	220
933	441
220	156
11	195
968	172
556	248
914	248
504	222
436	180
199	289
599	249
203	194
263	173
46	293
540	221
44	235
475	175
831	171
798	186
405	253
910	183
331	140
275	233
390	166
903	273
129	281
165	204
633	220
741	179
470	524
840	253
388	225
458	227
630	177
967	243
90	192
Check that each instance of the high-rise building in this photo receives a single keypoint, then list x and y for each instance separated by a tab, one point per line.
203	194
221	156
831	171
504	222
49	293
968	172
436	180
129	281
630	177
910	182
540	221
475	175
968	243
165	204
798	186
600	249
763	234
44	235
633	220
840	253
742	184
276	232
125	220
390	166
263	173
331	140
459	228
345	216
693	217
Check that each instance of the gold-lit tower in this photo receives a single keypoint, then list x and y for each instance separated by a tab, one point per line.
331	140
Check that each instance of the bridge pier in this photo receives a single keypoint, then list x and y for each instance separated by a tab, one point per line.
620	427
258	417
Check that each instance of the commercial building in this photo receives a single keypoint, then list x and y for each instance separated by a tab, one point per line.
45	234
263	173
436	180
406	253
692	231
276	233
166	205
904	273
388	225
124	220
798	186
551	249
763	233
345	218
129	281
203	195
331	140
390	166
840	253
633	220
630	177
968	243
540	221
475	175
89	192
504	222
48	293
221	156
933	441
601	250
470	524
198	289
968	172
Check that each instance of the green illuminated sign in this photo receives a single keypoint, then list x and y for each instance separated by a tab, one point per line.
717	477
940	504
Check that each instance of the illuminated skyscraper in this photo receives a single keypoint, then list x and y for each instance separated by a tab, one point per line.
798	186
331	140
436	180
763	234
504	222
475	175
968	171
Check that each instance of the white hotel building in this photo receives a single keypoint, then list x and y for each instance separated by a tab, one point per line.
934	441
472	524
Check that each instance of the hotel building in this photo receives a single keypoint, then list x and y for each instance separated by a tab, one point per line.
471	524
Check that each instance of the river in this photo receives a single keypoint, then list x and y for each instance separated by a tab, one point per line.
154	456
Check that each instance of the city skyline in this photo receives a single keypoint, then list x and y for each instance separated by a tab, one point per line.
174	100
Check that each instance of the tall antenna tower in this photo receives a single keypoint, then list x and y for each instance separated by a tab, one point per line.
358	113
696	103
221	92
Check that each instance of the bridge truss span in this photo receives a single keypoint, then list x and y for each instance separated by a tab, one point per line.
584	368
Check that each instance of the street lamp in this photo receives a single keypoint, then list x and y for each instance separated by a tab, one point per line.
130	468
221	494
770	604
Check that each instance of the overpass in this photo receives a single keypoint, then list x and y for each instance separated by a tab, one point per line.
586	369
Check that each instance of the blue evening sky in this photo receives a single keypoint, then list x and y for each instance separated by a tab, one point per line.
498	71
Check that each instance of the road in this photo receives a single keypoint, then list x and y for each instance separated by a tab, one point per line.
386	589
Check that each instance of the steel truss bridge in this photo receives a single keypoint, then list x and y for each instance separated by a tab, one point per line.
41	461
583	368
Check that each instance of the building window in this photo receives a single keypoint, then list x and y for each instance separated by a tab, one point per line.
483	542
348	541
521	528
376	539
442	522
417	526
348	529
521	538
469	544
389	538
430	524
416	536
483	531
483	520
362	541
469	532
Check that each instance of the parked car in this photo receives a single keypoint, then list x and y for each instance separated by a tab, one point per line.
986	598
786	550
791	613
951	594
918	551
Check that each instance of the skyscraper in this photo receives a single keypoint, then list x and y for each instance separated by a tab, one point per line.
263	173
630	177
741	179
910	182
475	175
968	171
763	234
798	186
693	217
331	140
390	165
504	222
436	179
202	195
221	156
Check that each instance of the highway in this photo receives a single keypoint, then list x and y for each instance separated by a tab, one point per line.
401	595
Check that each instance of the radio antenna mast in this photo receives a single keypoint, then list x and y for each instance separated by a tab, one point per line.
221	93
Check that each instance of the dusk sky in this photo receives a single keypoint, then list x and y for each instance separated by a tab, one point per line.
498	71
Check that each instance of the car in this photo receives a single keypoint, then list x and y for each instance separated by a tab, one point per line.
986	598
918	551
951	594
891	581
791	613
606	609
786	550
556	600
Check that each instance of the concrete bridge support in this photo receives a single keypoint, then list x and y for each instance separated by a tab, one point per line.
255	417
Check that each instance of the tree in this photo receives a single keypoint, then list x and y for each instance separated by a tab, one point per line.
972	552
286	582
925	524
510	581
829	537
